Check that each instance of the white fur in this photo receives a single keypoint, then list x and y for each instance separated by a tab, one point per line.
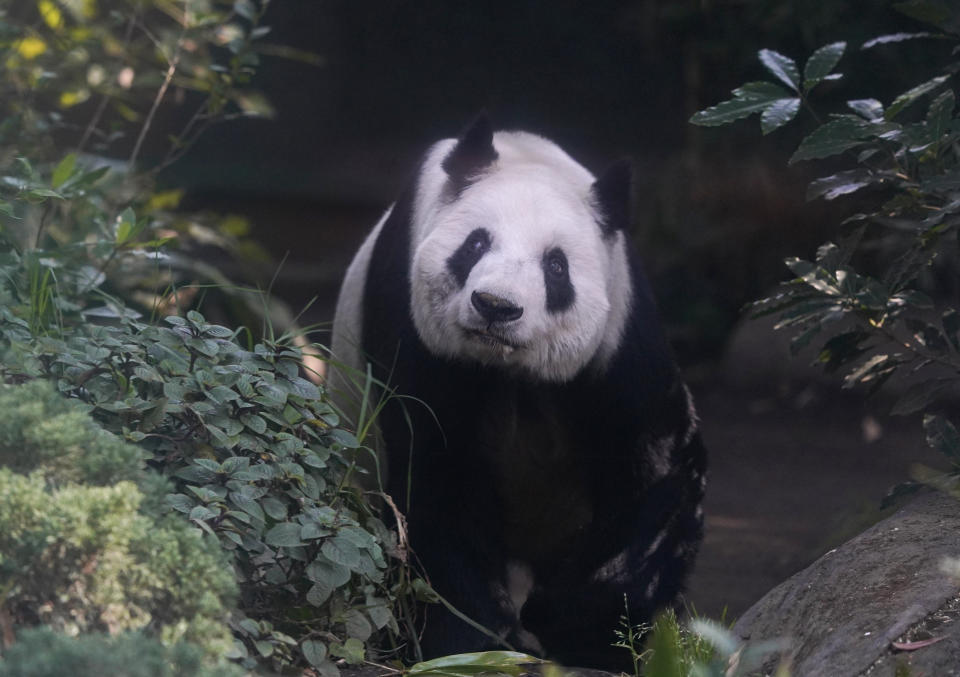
533	198
348	364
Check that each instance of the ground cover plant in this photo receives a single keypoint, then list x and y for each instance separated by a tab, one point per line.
197	486
881	297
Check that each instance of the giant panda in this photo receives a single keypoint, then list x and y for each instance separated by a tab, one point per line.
538	434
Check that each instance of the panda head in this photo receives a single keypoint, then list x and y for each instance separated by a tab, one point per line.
519	257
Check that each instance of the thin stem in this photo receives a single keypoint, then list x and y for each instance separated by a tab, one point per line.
156	104
174	62
105	98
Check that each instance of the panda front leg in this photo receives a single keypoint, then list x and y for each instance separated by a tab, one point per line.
633	572
465	566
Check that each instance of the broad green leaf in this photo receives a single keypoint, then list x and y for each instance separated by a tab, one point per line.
254	422
844	183
340	551
782	67
264	647
312	531
180	502
753	97
940	115
202	512
285	534
314	651
357	625
942	436
320	592
346	439
64	170
248	505
221	394
322	570
43	192
869	370
126	224
778	113
352	650
274	507
870	109
821	62
894	37
912	95
7	209
250	626
843	348
840	134
379	612
470	664
813	275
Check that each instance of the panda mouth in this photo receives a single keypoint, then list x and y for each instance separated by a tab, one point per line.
492	339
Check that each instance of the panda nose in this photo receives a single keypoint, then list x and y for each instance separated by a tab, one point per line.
495	308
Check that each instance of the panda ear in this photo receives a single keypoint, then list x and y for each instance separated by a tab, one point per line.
613	193
473	153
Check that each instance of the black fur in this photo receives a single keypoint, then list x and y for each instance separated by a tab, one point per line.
611	461
556	280
473	153
613	192
462	261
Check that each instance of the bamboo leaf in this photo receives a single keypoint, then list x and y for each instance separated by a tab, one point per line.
753	97
870	109
912	95
834	137
779	113
821	62
844	183
894	37
64	170
782	67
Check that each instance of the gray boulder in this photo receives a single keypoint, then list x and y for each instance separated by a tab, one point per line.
845	610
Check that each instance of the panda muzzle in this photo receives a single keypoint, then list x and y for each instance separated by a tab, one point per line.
494	308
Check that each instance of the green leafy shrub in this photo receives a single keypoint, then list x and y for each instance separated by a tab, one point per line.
259	463
883	295
242	448
44	653
42	432
83	557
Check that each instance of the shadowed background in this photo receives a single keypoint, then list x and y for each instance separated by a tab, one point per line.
796	467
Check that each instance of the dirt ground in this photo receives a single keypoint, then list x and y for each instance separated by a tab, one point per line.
790	478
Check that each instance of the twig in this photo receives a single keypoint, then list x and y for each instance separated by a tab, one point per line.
174	62
105	98
156	104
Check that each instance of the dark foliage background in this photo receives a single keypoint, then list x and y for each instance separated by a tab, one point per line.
716	211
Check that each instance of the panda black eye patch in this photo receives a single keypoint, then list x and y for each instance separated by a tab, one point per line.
462	261
556	280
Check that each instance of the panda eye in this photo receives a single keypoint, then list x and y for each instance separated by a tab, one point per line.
471	250
557	265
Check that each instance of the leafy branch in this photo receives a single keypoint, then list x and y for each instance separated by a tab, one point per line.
893	318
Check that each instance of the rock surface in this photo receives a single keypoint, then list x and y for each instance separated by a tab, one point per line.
843	612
